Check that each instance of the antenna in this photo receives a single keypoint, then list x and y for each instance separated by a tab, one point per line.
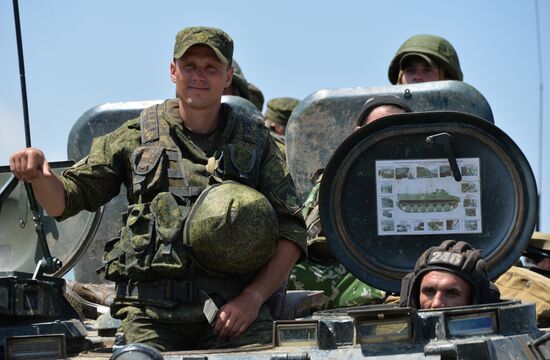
48	264
541	128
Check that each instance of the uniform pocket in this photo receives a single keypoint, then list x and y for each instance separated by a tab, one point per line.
113	260
147	169
137	242
170	257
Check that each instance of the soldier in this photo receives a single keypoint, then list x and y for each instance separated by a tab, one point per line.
276	117
242	88
256	96
196	174
322	271
278	112
424	58
239	85
451	274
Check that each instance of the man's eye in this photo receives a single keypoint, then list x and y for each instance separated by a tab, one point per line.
453	293
428	291
211	69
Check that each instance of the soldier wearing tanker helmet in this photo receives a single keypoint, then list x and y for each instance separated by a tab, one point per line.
450	274
424	58
198	175
322	271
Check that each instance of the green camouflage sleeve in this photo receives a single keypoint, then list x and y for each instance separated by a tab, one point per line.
97	178
277	184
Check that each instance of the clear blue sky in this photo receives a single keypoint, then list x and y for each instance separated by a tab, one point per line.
79	54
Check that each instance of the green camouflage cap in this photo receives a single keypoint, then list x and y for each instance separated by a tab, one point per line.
218	40
279	109
435	48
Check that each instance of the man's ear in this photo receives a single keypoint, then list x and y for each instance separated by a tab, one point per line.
173	71
229	77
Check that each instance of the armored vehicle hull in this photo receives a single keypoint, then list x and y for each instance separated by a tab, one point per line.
349	213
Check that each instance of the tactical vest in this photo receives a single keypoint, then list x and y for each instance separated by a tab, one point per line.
151	245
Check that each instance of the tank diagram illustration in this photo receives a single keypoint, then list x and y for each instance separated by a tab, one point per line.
416	197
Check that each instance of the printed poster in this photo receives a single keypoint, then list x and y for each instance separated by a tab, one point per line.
421	197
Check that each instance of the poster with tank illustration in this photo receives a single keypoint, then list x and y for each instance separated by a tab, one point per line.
421	197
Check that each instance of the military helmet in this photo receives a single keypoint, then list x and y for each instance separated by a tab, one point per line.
458	258
256	96
239	82
435	47
231	229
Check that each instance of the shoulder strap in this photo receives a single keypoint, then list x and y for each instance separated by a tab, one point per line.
246	134
156	131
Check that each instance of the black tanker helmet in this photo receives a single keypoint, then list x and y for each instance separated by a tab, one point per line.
458	258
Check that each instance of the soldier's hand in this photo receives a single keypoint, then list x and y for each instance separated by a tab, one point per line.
236	316
29	164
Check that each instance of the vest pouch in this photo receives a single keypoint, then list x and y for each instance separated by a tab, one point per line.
240	164
147	170
138	243
170	258
113	260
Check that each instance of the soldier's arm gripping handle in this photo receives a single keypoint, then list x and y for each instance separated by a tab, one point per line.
31	166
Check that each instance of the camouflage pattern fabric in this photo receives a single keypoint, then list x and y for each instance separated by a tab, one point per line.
280	109
281	144
184	327
256	96
323	271
342	288
97	178
217	39
240	85
243	219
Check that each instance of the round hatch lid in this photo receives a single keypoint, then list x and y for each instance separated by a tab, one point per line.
19	247
392	189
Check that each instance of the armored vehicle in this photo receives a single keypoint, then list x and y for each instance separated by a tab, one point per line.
452	127
439	200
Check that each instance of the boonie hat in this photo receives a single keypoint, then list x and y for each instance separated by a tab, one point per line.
217	39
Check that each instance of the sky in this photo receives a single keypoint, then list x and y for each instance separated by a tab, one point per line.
83	53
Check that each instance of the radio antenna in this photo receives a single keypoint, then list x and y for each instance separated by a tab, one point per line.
48	264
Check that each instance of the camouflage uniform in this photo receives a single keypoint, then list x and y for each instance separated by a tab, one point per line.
279	111
163	323
323	272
